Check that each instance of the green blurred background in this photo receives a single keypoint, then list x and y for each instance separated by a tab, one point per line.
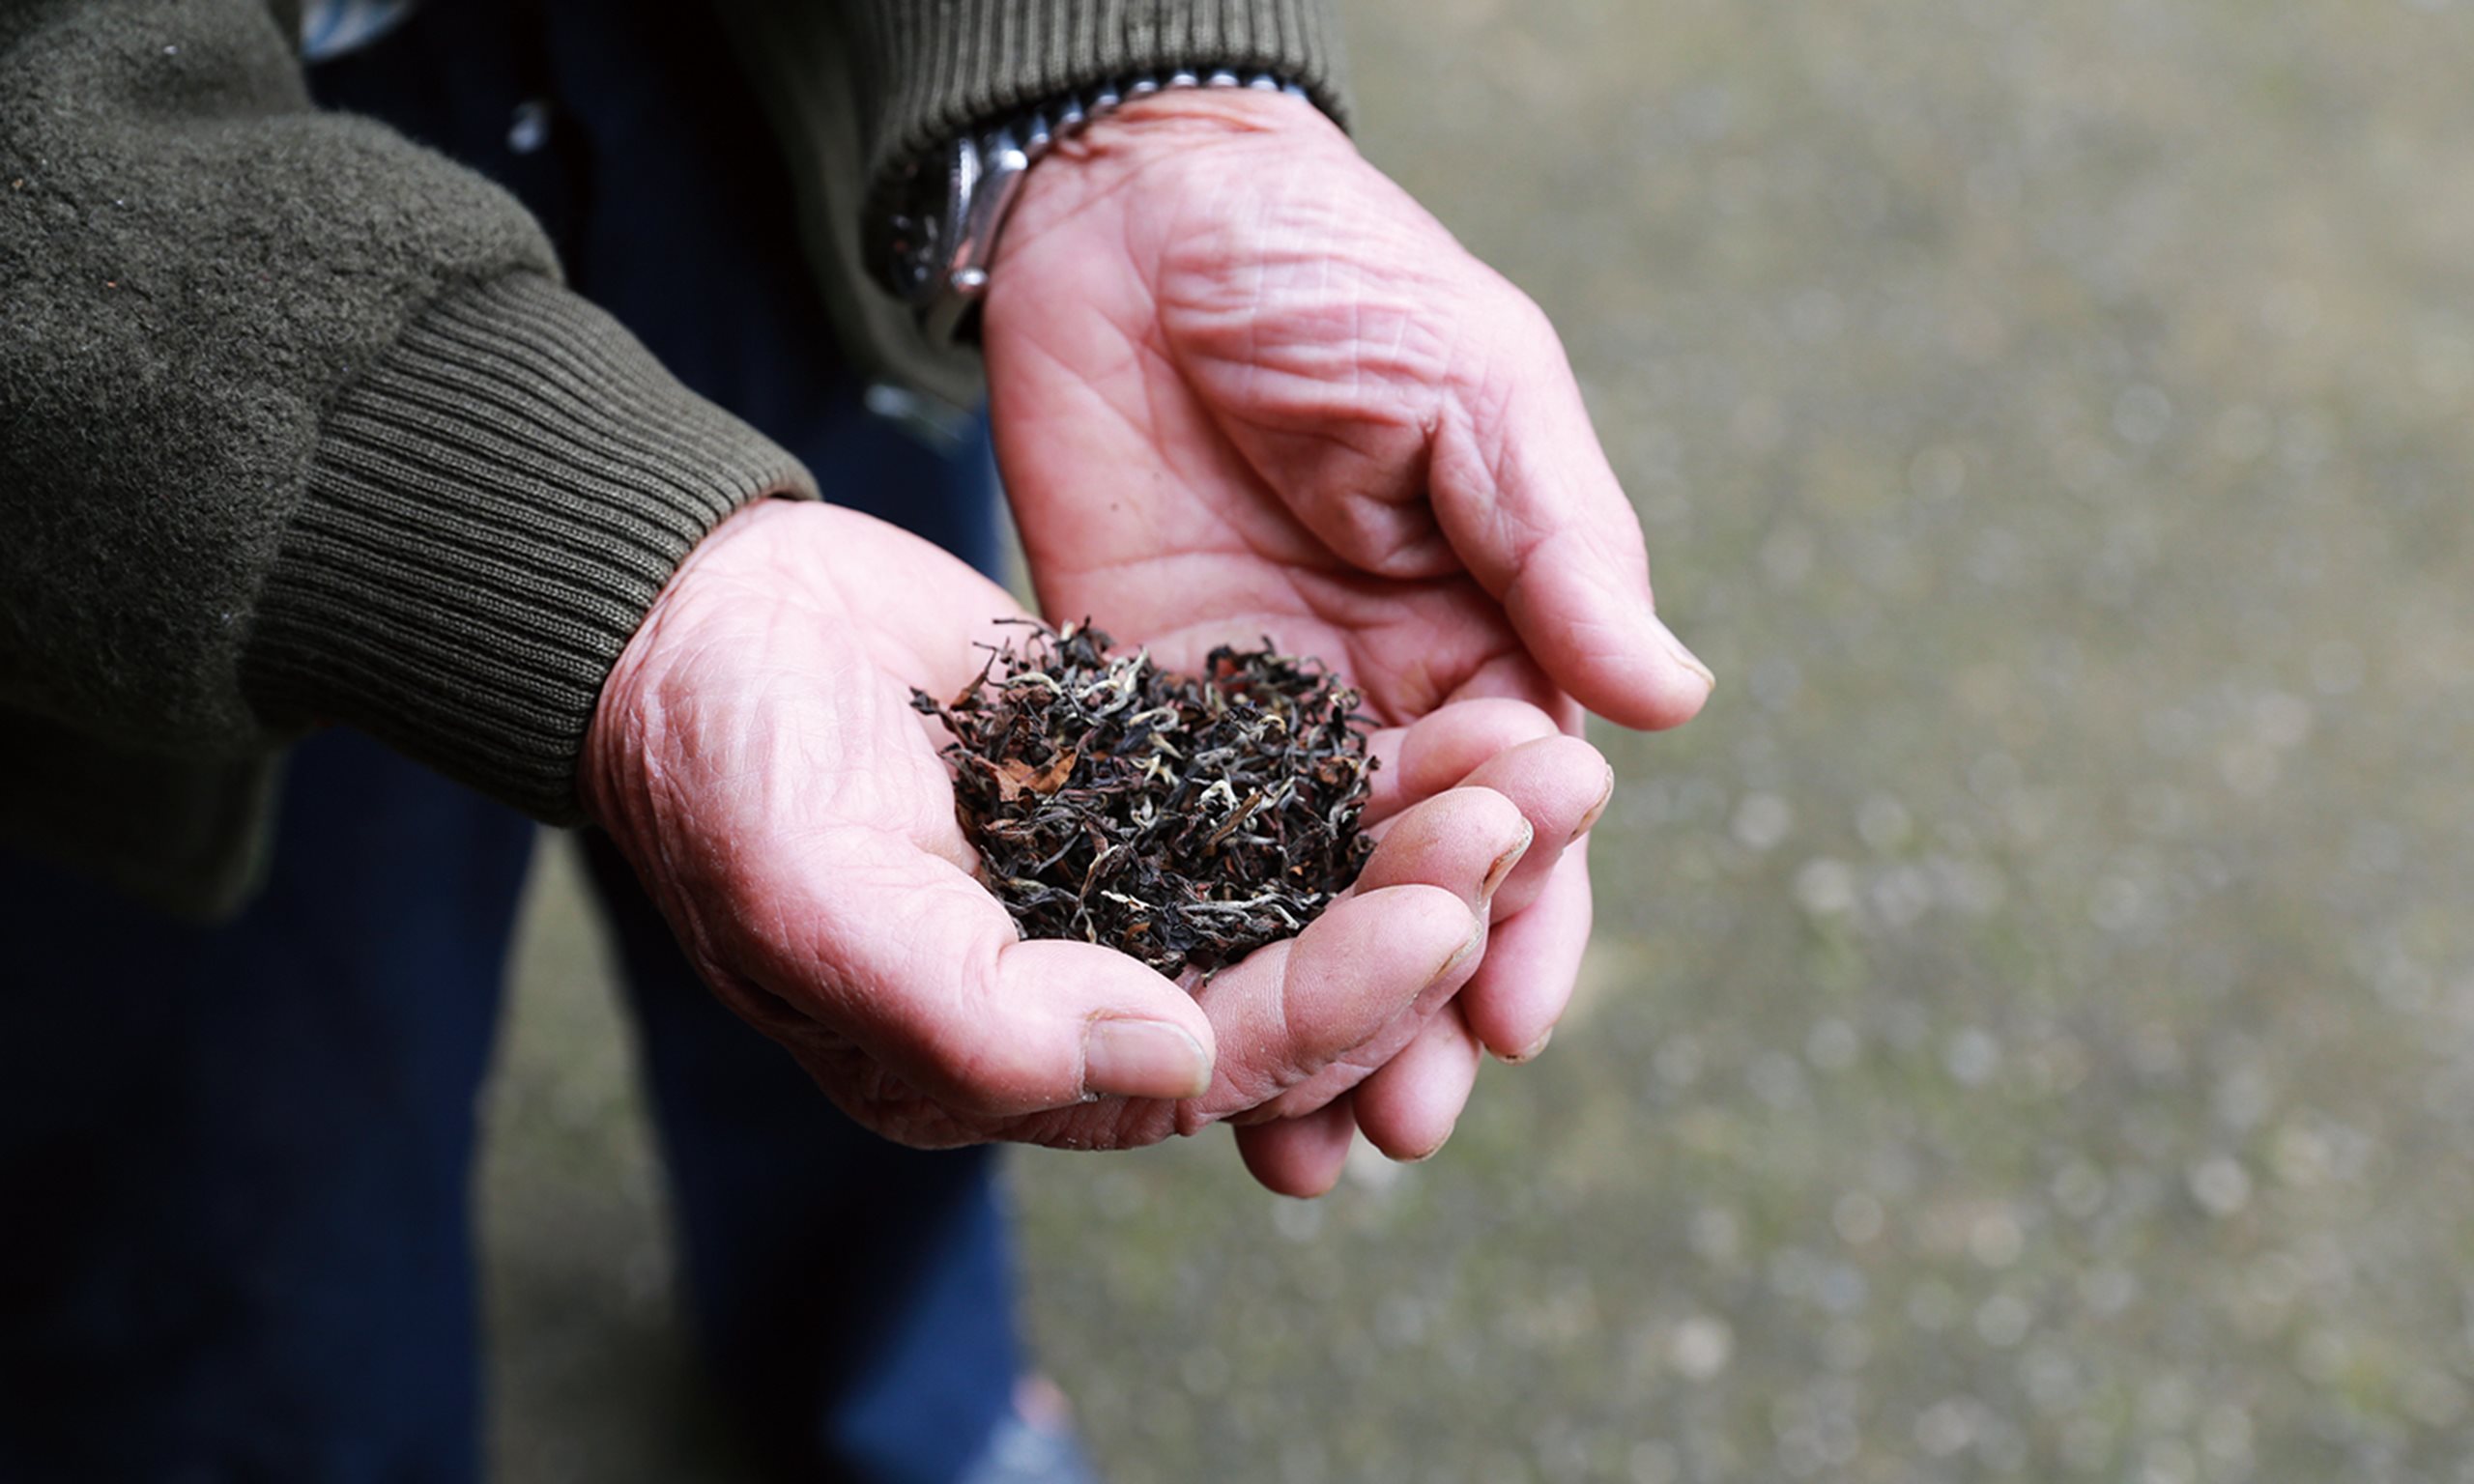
2030	1028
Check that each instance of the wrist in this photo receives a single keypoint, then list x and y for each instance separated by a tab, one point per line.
941	241
1147	144
610	778
1168	131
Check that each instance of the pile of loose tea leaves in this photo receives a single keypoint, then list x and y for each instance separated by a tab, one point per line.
1184	819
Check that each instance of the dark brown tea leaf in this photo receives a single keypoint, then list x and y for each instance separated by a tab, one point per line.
1184	819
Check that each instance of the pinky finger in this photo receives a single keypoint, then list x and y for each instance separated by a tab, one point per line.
1412	1103
1300	1157
1533	960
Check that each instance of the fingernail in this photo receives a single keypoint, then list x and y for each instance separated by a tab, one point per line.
1683	656
1504	862
1128	1058
1534	1049
1460	955
1431	1153
1597	811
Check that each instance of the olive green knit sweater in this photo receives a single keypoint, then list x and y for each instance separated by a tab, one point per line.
297	425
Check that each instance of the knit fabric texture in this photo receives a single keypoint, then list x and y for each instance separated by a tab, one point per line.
932	69
489	515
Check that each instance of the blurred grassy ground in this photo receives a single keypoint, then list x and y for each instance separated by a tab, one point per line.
2031	1028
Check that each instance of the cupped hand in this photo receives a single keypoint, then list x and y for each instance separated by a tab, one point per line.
756	756
1242	385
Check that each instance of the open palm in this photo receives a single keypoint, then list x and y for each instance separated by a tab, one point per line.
1242	385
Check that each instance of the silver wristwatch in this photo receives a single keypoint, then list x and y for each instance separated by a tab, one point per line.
942	236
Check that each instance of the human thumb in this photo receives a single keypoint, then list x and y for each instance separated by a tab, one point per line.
916	964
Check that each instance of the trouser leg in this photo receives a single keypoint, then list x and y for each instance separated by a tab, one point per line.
234	1160
854	1297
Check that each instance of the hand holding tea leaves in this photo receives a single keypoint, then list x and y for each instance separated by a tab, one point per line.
1242	385
757	756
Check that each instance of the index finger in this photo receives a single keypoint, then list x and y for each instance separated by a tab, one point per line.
1523	492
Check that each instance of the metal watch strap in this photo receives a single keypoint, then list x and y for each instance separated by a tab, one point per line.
943	237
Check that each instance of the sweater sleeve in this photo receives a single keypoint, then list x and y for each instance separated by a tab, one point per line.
298	425
930	70
861	91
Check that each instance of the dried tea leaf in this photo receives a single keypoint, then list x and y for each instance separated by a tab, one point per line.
1014	776
1183	819
1053	777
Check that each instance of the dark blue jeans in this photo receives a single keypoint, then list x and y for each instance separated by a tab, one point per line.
235	1160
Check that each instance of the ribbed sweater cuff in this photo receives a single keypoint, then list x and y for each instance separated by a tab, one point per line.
960	63
489	515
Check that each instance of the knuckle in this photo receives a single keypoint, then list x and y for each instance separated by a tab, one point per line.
1525	322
